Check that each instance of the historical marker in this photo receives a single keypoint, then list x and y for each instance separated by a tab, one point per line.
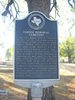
36	50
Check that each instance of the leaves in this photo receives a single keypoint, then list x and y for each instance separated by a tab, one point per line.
67	48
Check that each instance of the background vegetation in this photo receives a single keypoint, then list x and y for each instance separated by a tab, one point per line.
67	49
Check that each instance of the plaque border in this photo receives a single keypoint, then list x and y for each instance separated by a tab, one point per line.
28	82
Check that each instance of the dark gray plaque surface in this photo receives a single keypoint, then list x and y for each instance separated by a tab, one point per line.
36	48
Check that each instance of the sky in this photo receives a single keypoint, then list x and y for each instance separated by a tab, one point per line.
6	37
66	19
7	28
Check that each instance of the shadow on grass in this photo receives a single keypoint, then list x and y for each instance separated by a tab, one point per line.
6	71
65	89
15	92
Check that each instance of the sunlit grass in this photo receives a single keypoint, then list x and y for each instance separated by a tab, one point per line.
66	73
17	90
65	87
6	82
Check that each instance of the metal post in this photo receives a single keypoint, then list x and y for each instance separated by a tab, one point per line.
36	91
36	98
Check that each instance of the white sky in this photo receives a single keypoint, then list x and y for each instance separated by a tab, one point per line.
7	28
65	19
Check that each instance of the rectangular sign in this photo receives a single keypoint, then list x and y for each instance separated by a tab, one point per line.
36	48
3	92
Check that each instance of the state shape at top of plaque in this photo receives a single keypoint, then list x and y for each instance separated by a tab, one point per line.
36	21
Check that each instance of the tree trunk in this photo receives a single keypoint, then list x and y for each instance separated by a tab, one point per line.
43	6
48	94
69	59
39	5
69	55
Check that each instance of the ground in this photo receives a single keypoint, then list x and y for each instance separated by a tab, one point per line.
64	90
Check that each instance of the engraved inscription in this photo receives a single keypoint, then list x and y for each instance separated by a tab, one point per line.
36	55
36	48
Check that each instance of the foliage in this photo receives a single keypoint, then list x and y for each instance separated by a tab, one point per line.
67	48
9	54
12	6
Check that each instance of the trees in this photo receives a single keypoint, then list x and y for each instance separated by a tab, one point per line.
40	5
44	6
33	5
67	48
9	54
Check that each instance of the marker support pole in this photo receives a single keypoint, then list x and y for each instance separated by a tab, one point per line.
36	91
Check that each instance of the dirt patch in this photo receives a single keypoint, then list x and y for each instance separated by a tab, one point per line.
64	90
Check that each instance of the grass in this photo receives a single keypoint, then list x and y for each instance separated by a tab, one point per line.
6	82
64	90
